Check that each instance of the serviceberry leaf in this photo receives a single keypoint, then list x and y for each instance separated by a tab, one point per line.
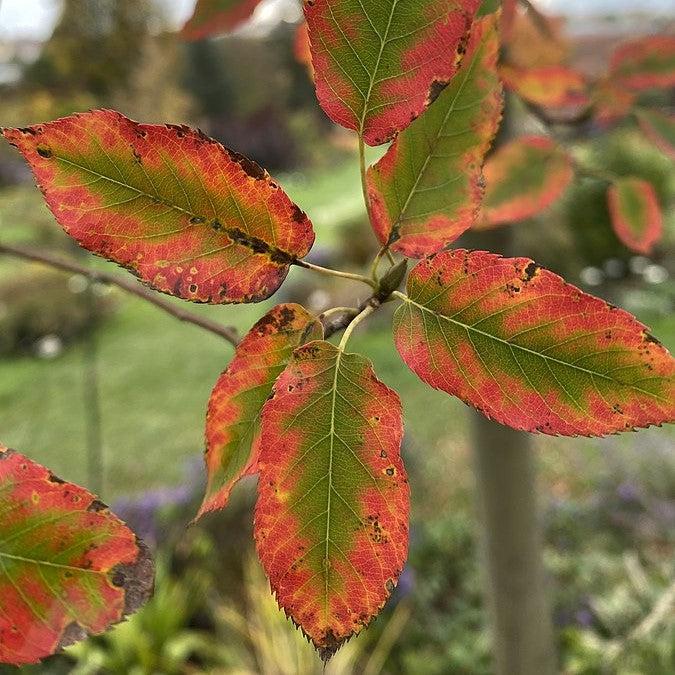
68	567
186	215
529	350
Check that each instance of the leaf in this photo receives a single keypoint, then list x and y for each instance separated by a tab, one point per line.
523	178
176	208
646	63
302	49
241	391
529	350
635	213
537	41
68	566
548	86
509	14
427	188
611	102
213	17
380	63
331	522
660	129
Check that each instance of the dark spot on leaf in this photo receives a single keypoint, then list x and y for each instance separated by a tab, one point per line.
44	151
197	220
530	271
96	506
437	86
193	288
650	338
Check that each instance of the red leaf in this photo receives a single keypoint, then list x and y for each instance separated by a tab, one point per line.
379	65
331	522
636	215
529	350
426	190
646	63
241	391
213	17
660	129
548	86
68	566
186	215
523	178
302	49
509	14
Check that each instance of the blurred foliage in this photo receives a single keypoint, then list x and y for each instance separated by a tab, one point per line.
38	304
91	47
624	152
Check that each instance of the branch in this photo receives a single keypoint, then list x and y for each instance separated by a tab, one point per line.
133	287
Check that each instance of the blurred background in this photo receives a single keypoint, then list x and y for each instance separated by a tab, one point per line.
111	393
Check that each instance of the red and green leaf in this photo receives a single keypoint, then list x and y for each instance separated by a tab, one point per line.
380	63
176	208
635	213
548	86
68	567
232	420
611	101
646	63
331	522
529	350
426	190
213	17
523	178
660	129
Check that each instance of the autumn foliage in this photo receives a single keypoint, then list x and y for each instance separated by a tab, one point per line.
193	219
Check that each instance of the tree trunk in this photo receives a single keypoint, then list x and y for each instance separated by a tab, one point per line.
512	550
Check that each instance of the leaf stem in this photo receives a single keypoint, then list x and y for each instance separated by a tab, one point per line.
376	262
400	296
130	286
336	273
362	169
367	311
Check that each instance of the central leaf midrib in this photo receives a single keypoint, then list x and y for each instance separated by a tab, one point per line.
33	561
434	144
531	351
229	231
326	561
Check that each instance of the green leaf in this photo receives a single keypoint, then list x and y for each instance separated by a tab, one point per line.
232	420
68	567
660	129
427	188
379	63
635	213
529	350
331	522
523	178
176	208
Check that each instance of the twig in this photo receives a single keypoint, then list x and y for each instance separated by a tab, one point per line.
133	287
335	273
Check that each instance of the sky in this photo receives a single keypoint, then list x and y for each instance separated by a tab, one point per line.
35	18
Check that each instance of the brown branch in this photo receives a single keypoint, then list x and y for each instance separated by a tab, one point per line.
129	285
